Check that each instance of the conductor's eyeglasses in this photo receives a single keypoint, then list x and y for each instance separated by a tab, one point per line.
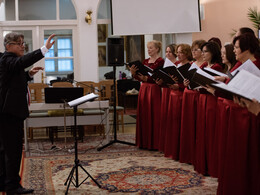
21	44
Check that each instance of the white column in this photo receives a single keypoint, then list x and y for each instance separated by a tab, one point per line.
87	49
183	38
147	38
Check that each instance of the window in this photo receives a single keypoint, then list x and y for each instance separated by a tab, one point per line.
59	59
37	10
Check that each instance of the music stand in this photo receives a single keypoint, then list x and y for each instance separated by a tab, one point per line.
62	95
77	164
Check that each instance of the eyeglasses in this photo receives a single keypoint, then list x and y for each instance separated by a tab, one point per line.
205	51
194	50
21	44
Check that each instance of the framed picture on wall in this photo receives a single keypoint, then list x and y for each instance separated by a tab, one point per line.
134	46
102	55
102	33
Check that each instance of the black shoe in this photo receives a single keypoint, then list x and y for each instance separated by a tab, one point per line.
2	189
19	190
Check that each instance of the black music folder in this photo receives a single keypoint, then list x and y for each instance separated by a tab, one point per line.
160	74
181	72
62	94
143	69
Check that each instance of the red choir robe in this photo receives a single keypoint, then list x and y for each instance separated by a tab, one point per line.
205	131
173	123
148	111
164	112
188	125
239	171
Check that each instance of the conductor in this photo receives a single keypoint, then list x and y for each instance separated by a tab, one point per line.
14	107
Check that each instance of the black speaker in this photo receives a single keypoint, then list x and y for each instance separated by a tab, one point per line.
115	51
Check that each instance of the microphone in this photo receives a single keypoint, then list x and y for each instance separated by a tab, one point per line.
91	87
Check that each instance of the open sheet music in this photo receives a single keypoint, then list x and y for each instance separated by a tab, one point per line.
83	99
214	72
249	66
244	84
202	78
194	66
168	63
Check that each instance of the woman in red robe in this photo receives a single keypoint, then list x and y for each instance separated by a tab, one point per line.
189	111
205	126
240	171
149	99
173	124
171	55
229	59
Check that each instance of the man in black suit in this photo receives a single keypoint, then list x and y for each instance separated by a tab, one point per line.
14	107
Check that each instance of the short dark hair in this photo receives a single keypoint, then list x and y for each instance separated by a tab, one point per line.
216	40
214	49
12	37
244	30
247	41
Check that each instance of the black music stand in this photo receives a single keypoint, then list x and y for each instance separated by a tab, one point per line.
62	95
77	164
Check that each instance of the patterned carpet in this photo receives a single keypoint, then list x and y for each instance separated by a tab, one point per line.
43	147
119	169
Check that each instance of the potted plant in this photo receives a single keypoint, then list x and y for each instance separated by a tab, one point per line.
254	17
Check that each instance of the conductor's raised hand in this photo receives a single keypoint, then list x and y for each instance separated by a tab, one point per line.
48	43
34	70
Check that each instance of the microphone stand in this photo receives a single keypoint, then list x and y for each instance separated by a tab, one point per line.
115	122
114	107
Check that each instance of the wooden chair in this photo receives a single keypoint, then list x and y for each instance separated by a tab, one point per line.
107	93
36	96
88	86
62	84
37	92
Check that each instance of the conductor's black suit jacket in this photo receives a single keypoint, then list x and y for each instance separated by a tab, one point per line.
13	82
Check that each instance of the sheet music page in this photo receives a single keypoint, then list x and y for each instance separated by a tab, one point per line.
168	63
82	99
203	73
248	66
245	84
194	66
216	72
150	74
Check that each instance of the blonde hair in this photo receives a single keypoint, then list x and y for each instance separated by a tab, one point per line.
157	44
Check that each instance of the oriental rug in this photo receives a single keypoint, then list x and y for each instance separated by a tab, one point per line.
43	147
124	172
